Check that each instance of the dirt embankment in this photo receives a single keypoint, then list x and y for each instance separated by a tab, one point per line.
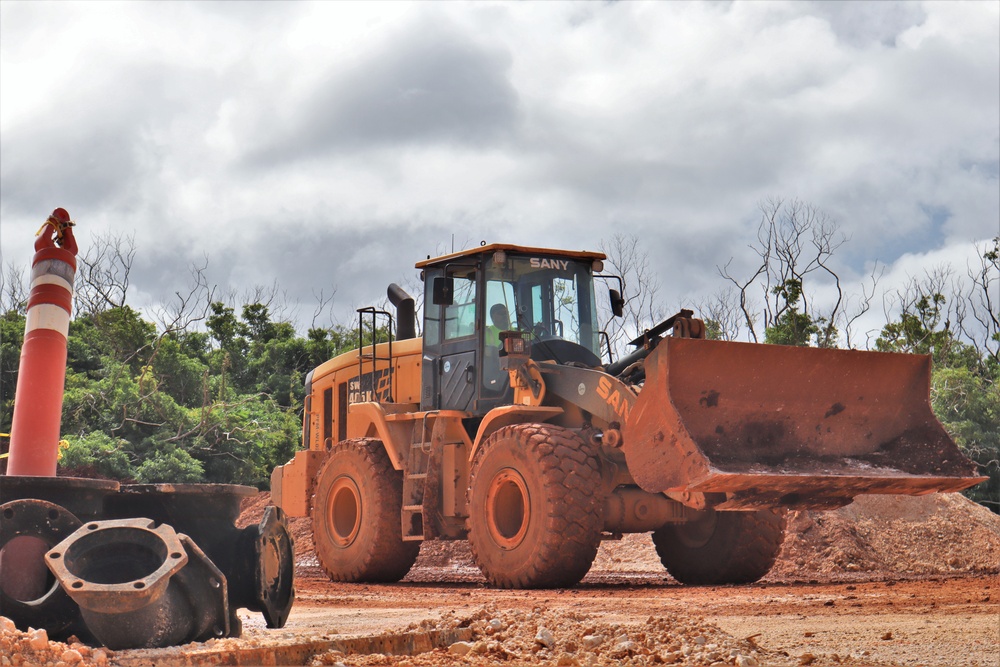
875	537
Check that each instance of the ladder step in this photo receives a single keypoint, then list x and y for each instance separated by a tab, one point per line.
413	508
413	538
417	475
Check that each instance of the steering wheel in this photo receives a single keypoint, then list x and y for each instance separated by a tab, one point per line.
540	332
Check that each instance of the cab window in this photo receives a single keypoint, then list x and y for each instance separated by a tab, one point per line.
460	316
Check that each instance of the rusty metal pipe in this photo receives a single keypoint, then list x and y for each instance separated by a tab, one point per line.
47	524
141	585
257	560
44	510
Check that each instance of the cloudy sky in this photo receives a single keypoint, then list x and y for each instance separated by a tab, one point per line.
330	145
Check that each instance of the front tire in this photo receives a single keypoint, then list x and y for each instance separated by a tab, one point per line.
721	547
535	507
356	515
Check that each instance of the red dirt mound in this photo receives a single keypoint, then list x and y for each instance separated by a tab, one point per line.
876	537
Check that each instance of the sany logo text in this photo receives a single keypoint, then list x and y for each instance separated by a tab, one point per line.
542	263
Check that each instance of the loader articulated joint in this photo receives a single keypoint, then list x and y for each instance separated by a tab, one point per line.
611	437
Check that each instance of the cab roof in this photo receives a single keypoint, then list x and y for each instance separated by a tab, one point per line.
513	249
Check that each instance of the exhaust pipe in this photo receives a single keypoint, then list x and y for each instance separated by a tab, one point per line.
140	585
406	318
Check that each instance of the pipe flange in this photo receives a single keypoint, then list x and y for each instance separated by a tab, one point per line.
50	523
275	572
140	584
123	564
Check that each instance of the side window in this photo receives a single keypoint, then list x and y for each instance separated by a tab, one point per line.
537	305
432	313
501	312
567	315
327	414
460	316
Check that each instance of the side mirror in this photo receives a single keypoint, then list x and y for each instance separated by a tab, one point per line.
443	291
617	302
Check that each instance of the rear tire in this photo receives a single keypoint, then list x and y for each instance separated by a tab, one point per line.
535	507
356	511
721	547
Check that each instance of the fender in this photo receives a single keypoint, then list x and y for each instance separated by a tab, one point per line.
497	418
394	429
369	420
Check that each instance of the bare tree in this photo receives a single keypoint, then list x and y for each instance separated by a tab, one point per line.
982	302
189	306
723	314
13	290
103	273
860	305
795	243
627	258
323	306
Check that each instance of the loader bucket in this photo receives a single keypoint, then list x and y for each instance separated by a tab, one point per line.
773	425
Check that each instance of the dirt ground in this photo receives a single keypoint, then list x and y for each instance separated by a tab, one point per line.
885	581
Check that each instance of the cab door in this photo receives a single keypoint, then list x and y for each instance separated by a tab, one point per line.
451	342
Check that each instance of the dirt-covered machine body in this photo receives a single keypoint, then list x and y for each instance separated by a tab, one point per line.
503	425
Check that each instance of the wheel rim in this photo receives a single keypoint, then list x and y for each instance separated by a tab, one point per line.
344	511
694	534
507	509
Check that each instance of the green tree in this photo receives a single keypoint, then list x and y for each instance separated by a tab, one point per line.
922	329
791	327
968	406
11	339
98	455
965	386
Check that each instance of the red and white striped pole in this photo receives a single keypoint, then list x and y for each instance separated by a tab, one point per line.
34	433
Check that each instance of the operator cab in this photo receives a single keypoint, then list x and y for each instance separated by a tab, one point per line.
472	296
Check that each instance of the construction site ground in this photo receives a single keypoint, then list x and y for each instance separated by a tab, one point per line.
885	581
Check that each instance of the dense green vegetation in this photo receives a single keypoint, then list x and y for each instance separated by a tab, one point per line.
221	405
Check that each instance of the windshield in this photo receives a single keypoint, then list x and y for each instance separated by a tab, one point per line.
550	296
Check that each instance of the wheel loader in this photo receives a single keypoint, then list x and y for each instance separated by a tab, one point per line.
508	424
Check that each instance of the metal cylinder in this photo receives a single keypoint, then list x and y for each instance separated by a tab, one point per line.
23	578
406	321
141	585
632	510
47	524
